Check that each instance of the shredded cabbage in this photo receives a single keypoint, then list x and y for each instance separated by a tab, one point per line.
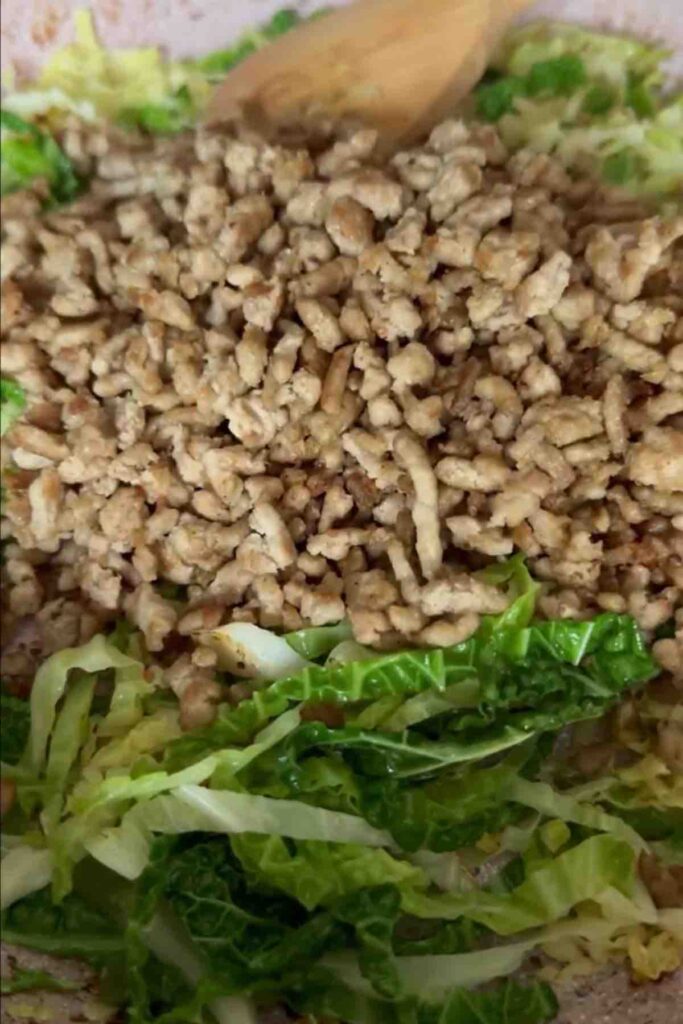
138	87
596	101
369	823
29	153
70	730
319	873
50	683
110	81
193	808
12	402
548	894
25	869
93	802
317	641
431	977
386	818
539	796
247	650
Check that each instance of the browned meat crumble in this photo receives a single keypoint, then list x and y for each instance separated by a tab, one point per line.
304	384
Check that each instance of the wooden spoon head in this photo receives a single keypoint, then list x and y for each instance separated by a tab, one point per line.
398	65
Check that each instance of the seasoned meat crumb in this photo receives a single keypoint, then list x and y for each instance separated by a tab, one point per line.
309	385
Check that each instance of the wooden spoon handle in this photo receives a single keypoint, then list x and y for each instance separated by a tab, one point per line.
395	64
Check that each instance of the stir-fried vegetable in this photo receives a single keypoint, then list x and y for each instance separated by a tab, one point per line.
271	855
597	101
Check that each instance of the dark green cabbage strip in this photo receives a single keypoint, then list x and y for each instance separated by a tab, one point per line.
12	403
254	940
28	153
198	895
532	678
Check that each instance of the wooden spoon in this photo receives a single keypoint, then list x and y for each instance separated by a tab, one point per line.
398	65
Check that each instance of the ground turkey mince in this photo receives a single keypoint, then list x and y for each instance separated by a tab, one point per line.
288	385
